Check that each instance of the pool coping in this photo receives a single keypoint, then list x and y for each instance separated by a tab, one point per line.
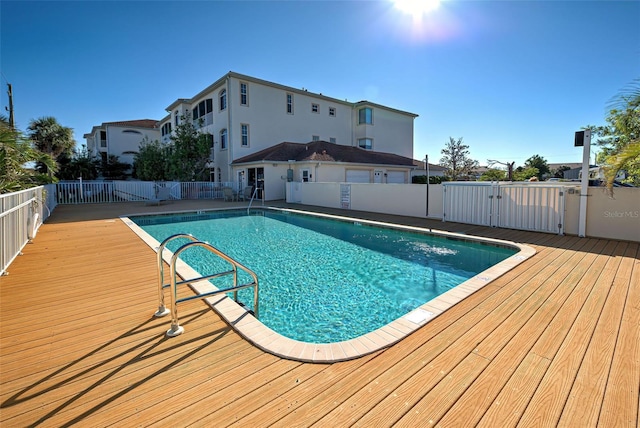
274	343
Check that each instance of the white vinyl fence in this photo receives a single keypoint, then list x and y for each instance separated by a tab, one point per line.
88	192
21	215
514	206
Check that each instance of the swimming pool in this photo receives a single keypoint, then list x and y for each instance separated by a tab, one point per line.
327	280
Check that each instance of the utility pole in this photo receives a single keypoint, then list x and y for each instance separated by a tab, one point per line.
10	93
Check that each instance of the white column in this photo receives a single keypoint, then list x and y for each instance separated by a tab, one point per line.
586	153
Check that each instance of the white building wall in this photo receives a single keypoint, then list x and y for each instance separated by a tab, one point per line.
391	131
270	124
127	139
92	147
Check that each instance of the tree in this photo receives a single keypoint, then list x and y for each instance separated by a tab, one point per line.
509	166
422	179
16	152
190	152
51	138
539	163
456	159
525	173
82	164
113	169
620	138
151	163
493	174
559	173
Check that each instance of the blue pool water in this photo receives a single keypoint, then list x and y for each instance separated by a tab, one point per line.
324	280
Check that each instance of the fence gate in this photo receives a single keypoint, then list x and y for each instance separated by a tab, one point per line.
532	207
535	207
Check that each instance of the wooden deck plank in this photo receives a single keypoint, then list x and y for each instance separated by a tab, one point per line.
287	401
621	403
202	401
100	358
130	365
76	397
550	398
533	367
590	382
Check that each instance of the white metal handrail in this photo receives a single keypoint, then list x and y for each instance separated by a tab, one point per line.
162	309
176	329
255	192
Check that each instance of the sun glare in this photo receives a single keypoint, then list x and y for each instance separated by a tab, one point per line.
417	8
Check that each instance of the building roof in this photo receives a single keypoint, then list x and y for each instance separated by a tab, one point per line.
231	74
572	165
432	167
140	123
322	151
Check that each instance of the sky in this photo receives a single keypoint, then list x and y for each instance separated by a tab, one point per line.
513	79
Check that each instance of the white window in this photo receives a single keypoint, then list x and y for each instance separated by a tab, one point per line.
289	103
365	116
365	143
332	140
244	131
175	116
315	138
166	129
223	139
223	99
244	94
332	111
315	108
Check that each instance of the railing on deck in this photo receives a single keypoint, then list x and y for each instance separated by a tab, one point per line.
91	192
21	215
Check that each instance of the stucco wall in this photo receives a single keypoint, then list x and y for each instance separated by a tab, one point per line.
614	218
391	132
119	141
617	217
399	199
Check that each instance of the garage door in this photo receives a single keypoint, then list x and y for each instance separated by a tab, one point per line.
358	176
396	177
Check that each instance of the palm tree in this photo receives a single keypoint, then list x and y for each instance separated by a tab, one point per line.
625	128
52	138
16	152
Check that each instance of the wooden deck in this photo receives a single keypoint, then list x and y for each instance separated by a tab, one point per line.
554	342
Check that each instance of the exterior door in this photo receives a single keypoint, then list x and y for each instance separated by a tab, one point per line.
377	176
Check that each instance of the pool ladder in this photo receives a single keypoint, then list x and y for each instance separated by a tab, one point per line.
253	196
176	329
